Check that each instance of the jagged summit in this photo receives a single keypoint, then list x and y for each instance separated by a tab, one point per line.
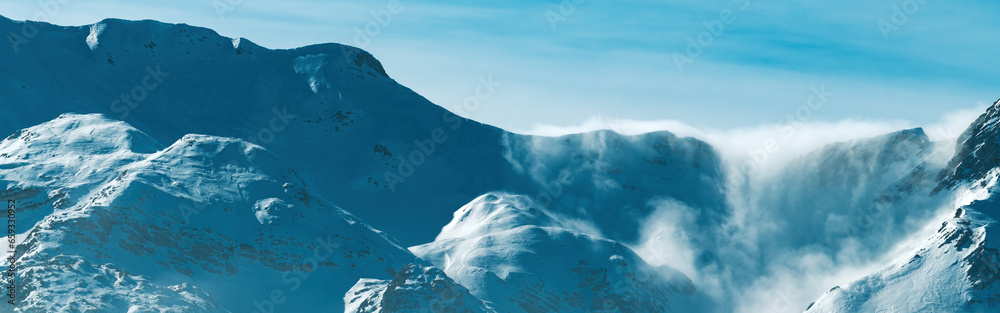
414	289
951	265
913	132
978	151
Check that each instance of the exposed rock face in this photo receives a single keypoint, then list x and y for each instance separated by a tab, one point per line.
414	289
954	267
978	151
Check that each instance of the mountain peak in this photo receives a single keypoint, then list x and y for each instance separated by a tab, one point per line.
83	134
978	151
214	212
913	132
496	211
504	263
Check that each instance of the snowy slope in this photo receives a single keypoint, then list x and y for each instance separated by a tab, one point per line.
205	223
954	264
57	163
71	284
512	254
414	289
953	268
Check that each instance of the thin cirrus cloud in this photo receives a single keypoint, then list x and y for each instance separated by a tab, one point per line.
562	62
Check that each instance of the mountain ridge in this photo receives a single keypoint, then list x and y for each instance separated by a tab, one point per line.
170	80
575	222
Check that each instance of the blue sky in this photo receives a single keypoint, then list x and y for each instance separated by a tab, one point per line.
564	62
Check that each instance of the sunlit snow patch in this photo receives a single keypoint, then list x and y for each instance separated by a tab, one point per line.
267	210
311	66
95	31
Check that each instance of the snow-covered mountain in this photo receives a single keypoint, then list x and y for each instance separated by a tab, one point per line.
113	221
122	209
954	264
334	114
328	110
519	258
851	189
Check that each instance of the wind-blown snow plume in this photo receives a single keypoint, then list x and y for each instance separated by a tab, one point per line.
819	202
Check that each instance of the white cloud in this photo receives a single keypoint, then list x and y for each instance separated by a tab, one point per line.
665	238
761	266
780	142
